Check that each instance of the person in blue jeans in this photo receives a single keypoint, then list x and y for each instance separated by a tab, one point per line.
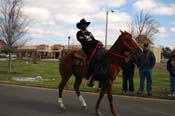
146	63
171	70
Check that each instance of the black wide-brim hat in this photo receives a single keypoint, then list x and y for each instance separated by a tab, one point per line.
82	21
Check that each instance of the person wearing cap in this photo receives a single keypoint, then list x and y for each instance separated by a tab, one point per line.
146	63
88	43
171	70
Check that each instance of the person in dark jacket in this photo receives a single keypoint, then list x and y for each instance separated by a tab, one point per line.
171	70
146	63
128	67
88	43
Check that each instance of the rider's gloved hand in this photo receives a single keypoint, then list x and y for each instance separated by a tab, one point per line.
100	43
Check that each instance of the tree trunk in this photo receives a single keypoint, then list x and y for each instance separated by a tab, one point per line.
9	61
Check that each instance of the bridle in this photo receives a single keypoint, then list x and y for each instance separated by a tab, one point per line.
117	55
126	45
129	46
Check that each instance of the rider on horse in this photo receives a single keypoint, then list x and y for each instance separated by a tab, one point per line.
89	44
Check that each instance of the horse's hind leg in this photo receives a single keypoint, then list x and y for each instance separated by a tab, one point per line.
78	81
61	87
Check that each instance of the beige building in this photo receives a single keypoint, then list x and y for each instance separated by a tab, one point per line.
157	53
42	51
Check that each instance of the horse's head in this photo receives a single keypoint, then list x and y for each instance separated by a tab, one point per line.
128	43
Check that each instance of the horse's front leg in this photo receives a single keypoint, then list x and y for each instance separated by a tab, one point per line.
78	81
101	94
110	98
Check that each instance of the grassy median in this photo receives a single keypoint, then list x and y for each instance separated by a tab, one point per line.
49	70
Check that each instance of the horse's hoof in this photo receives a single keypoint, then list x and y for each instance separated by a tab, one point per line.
84	108
62	108
98	113
116	115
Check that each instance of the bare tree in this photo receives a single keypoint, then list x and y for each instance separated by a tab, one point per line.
166	52
13	25
144	24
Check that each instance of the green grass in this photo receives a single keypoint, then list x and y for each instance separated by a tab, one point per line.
49	70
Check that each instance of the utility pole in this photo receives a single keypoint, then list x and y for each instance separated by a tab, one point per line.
68	45
106	32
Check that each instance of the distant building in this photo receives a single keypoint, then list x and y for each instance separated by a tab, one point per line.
157	53
2	46
42	51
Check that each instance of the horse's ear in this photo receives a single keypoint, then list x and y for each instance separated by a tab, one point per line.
121	31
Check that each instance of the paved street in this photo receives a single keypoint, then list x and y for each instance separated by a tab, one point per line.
29	101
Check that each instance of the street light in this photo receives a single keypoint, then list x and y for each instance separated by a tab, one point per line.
106	32
68	41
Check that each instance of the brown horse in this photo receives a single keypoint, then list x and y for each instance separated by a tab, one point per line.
115	56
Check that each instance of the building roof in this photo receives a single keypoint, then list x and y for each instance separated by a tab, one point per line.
57	47
27	47
42	46
2	42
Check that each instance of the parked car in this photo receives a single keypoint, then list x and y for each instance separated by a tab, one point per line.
12	55
3	55
163	60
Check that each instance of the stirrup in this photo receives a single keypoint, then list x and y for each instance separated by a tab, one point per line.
90	81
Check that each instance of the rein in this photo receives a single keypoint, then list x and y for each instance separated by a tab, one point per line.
94	51
116	55
113	66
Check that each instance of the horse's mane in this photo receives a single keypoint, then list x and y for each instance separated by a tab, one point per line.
113	47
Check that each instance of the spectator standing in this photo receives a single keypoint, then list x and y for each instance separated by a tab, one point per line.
146	63
128	67
171	70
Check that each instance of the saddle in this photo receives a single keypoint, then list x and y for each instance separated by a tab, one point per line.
79	58
98	64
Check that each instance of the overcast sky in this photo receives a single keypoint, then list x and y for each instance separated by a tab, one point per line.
56	19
